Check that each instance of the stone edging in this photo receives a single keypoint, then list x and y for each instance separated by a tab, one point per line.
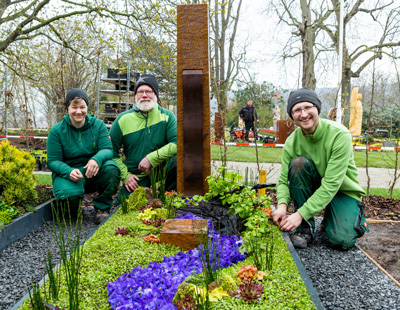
23	225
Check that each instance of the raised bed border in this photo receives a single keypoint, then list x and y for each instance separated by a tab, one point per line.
23	225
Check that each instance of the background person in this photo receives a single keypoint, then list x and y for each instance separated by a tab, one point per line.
249	115
79	153
317	172
147	134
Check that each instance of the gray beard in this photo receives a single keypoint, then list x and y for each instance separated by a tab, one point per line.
146	106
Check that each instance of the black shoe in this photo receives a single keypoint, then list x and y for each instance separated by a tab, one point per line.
100	217
300	240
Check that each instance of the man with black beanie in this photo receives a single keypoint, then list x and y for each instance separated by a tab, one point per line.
249	115
147	134
317	172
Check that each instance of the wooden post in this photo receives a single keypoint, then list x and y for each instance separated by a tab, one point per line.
193	100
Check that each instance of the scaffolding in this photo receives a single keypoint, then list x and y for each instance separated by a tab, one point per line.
124	84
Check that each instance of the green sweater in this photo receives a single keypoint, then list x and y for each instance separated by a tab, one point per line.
69	147
140	135
331	150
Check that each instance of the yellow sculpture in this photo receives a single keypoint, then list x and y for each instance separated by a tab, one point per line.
356	112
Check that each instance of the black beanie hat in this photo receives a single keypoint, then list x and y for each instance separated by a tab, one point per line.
73	93
147	79
301	95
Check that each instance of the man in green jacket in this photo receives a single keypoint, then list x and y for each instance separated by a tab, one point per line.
79	153
147	136
317	172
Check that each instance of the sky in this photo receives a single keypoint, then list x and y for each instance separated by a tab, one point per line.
266	43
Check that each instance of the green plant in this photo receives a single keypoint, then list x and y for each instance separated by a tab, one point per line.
137	199
54	278
158	176
5	217
68	241
13	211
17	183
124	204
37	302
261	250
218	185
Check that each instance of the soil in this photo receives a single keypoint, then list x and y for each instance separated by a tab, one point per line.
382	242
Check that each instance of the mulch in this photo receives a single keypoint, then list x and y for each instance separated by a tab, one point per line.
376	207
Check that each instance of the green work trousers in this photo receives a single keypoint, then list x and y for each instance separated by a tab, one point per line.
106	183
170	180
344	219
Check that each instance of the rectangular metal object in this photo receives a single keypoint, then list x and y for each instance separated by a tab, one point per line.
184	233
193	100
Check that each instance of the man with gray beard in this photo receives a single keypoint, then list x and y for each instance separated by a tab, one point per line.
147	136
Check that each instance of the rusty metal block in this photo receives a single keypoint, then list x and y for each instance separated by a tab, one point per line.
184	233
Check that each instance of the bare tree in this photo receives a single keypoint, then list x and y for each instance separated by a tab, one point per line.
316	26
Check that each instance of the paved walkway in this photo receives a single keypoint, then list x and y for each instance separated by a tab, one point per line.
380	178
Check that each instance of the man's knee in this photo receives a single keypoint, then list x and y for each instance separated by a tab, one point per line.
340	239
298	164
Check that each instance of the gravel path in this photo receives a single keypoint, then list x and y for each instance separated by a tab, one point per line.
24	260
347	279
342	279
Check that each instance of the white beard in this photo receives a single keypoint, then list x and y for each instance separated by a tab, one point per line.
146	105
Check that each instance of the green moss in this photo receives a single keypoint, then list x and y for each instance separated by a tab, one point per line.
137	199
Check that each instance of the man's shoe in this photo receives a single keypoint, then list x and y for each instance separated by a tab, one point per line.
100	217
300	240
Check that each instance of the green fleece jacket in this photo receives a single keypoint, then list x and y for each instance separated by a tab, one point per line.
69	147
331	150
140	135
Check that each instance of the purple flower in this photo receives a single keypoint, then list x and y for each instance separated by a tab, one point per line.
154	287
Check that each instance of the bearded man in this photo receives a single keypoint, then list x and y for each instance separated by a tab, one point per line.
147	135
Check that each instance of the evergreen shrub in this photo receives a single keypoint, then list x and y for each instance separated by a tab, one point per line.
17	183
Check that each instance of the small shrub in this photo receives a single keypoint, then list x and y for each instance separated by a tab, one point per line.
17	183
5	218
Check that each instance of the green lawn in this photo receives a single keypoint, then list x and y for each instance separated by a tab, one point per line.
273	155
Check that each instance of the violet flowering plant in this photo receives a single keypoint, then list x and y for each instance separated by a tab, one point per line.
155	286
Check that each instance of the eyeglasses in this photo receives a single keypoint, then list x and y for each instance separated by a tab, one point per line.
148	92
298	112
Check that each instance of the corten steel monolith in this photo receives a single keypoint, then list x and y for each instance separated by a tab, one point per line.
194	159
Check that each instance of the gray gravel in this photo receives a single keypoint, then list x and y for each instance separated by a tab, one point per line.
342	279
347	279
24	260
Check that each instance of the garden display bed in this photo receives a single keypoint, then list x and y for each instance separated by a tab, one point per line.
109	256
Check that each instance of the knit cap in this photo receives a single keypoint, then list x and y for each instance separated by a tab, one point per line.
73	93
147	79
302	95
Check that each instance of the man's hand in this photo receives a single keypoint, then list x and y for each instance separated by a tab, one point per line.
131	184
258	121
279	214
92	167
75	175
144	165
292	222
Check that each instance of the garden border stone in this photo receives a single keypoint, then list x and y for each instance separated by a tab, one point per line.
23	225
303	273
